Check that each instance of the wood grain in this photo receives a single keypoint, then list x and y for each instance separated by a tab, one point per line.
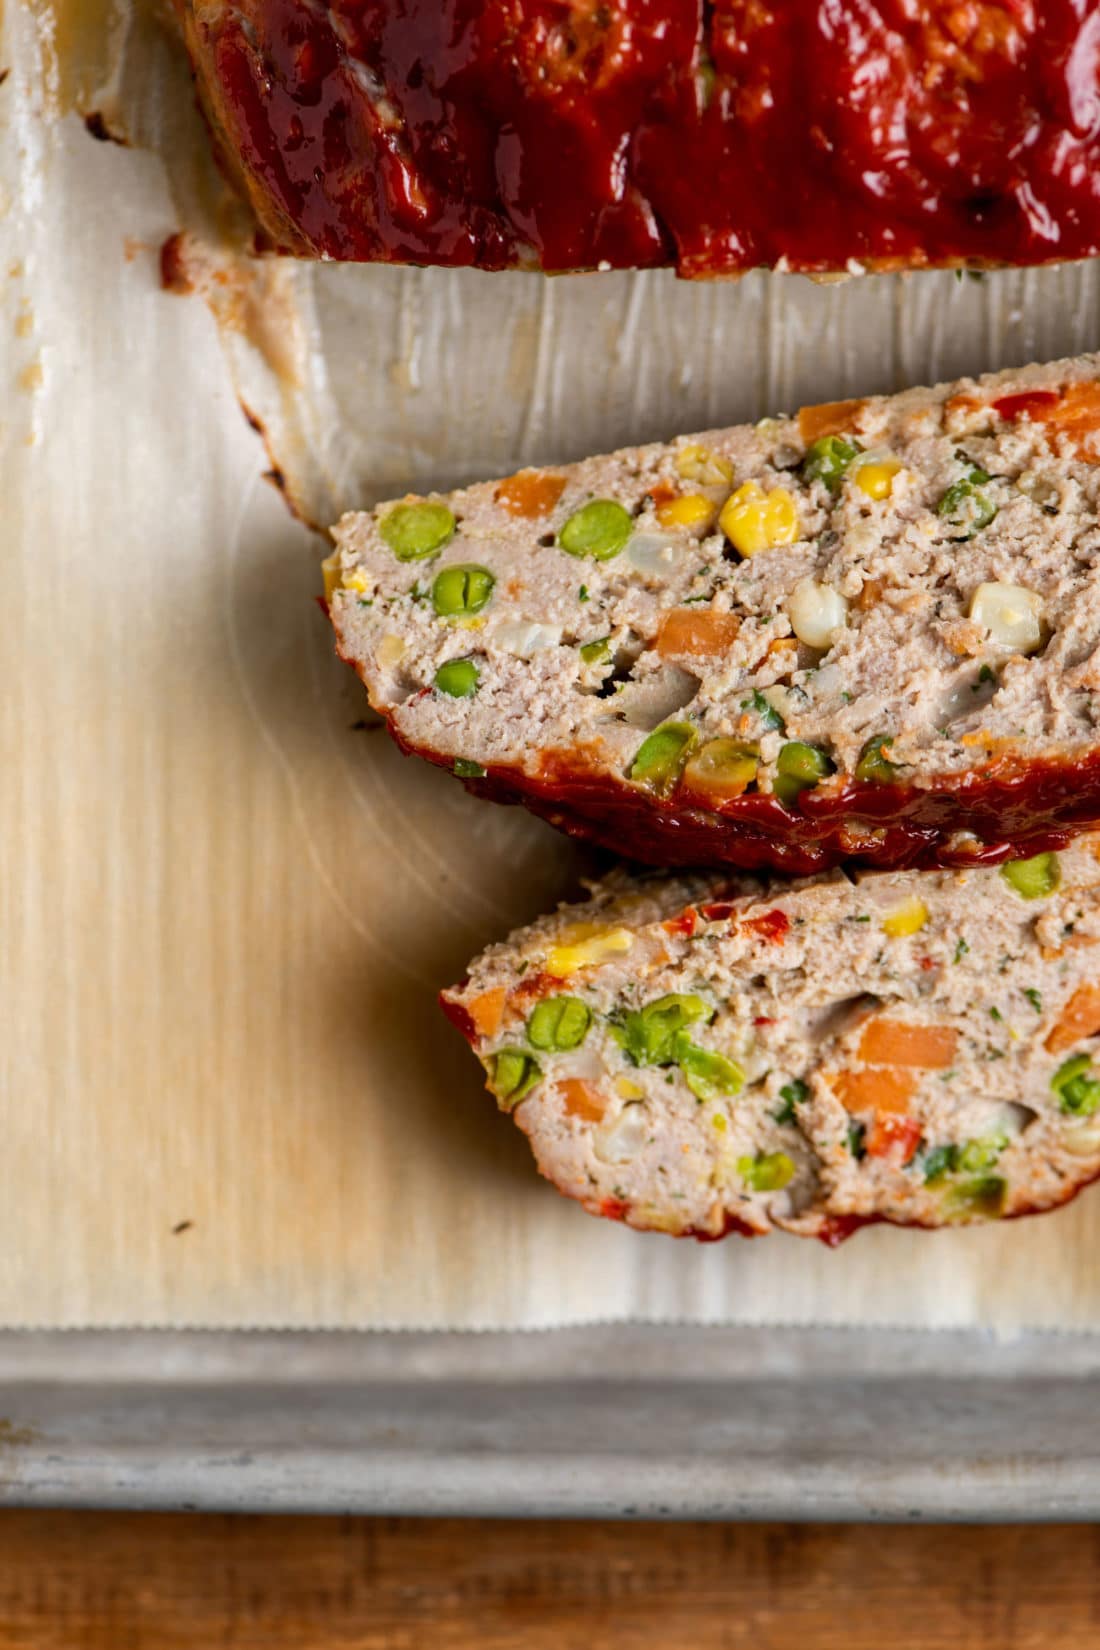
91	1581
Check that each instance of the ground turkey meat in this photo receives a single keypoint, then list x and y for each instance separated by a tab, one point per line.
814	135
707	1054
869	632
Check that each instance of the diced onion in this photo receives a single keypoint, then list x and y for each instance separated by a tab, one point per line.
391	651
1011	614
625	1138
652	553
817	612
1083	1139
525	636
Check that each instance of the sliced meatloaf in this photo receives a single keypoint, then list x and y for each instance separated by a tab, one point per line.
700	1055
570	134
870	631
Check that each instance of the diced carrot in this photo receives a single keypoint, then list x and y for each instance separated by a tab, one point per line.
827	418
897	1043
662	492
893	1137
885	1089
1075	412
718	913
693	631
682	924
530	493
487	1011
772	925
580	1099
1079	1019
960	405
1078	410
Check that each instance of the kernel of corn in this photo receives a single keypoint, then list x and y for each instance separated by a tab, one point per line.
719	1122
753	520
696	463
688	511
587	945
330	570
626	1089
907	918
877	479
358	581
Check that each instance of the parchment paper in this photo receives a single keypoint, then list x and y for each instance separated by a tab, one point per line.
226	901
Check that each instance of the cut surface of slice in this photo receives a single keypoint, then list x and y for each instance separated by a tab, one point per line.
707	1054
870	632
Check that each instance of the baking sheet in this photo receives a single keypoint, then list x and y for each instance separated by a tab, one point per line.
227	902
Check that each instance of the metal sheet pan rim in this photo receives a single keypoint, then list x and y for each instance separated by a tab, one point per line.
625	1420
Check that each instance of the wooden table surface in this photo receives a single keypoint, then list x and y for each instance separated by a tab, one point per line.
118	1581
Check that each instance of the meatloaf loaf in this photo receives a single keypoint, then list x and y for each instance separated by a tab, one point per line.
812	135
701	1055
868	632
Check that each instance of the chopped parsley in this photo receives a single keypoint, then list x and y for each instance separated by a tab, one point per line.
856	1135
1033	998
582	593
792	1095
766	712
961	948
995	1014
937	1162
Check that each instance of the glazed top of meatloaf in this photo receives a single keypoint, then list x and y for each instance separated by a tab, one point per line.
694	1054
907	588
565	134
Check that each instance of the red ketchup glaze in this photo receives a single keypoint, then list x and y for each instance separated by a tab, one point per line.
715	137
1012	809
459	1018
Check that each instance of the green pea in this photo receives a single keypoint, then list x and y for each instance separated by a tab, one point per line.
828	458
1033	878
515	1073
724	767
982	1198
598	529
414	531
979	1155
596	653
458	678
648	1035
797	767
767	1172
660	758
939	1162
708	1075
964	507
1077	1090
465	769
559	1023
872	766
462	590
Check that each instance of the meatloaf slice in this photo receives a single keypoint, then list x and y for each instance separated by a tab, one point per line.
570	134
701	1055
870	631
